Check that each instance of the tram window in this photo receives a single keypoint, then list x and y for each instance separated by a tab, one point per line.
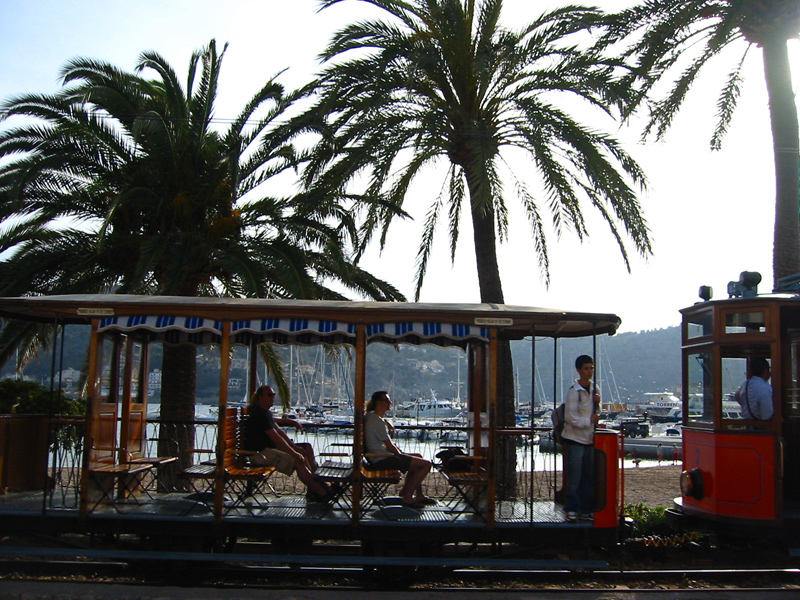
746	322
701	387
792	406
109	378
734	373
699	325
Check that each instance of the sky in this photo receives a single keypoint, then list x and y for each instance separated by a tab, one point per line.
711	214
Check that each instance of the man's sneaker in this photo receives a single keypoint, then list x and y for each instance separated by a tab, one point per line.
586	517
572	516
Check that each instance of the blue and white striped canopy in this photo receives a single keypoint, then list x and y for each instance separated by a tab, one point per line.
282	331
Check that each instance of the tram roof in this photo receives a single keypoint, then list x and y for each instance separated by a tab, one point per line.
513	322
766	299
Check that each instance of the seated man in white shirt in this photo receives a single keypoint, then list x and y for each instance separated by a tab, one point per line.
755	395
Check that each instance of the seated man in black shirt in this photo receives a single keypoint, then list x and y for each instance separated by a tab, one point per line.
275	449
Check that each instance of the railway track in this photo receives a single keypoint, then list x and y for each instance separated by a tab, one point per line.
241	571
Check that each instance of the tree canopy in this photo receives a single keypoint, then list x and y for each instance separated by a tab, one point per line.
676	40
443	81
122	182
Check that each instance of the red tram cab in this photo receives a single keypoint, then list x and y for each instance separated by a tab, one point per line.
739	470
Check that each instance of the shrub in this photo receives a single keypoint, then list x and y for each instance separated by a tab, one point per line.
31	398
647	521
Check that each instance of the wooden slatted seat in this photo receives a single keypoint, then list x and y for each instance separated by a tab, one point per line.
470	487
118	481
159	463
338	474
201	471
241	480
376	482
110	474
163	466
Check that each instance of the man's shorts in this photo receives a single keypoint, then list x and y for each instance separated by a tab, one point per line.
400	462
271	457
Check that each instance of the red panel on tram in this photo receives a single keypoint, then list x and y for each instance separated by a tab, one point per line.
738	472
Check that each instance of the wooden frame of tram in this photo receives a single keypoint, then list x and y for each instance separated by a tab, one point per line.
122	327
739	474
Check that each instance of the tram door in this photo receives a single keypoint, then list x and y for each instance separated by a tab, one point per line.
105	444
134	398
791	418
121	409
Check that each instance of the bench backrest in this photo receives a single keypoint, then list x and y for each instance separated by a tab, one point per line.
233	436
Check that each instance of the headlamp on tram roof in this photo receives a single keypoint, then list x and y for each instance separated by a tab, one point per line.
746	287
706	292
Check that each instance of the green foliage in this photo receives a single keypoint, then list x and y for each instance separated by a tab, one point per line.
167	205
669	43
647	520
30	398
443	82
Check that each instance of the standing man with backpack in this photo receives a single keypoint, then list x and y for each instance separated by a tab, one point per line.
580	417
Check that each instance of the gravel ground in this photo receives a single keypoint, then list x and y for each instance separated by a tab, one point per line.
652	486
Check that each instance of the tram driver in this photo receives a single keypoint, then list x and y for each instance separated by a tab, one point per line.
755	395
264	436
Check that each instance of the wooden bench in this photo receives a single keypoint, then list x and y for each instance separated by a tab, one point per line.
159	463
338	474
375	482
118	481
470	487
240	479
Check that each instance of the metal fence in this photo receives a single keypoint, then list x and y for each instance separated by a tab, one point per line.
538	473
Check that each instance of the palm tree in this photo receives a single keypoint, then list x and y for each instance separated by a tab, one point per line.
441	80
664	33
122	184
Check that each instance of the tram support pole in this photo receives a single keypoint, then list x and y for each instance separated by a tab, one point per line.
358	417
90	427
491	451
224	367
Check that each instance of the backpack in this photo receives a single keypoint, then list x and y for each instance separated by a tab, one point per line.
558	423
451	461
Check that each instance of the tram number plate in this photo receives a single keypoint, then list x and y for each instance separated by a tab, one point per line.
493	321
96	312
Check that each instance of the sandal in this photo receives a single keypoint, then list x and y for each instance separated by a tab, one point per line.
413	504
321	498
426	501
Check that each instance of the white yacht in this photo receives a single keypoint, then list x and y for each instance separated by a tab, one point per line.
433	408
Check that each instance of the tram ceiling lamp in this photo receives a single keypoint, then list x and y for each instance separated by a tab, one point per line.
746	287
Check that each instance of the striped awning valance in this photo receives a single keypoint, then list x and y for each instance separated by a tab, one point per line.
198	330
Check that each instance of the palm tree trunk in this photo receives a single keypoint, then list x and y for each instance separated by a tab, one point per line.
491	289
176	434
785	135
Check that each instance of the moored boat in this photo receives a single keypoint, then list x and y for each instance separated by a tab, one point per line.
434	408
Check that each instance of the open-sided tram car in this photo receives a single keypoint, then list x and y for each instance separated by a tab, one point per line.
740	475
123	328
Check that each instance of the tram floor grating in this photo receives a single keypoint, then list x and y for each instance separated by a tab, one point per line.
180	506
527	512
405	514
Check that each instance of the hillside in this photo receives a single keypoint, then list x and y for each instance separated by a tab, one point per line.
630	364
